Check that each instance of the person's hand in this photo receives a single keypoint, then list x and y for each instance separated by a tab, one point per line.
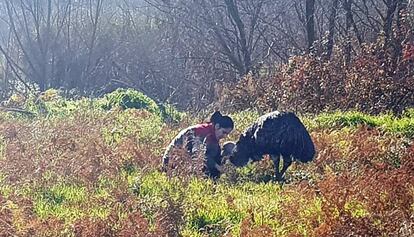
225	160
219	168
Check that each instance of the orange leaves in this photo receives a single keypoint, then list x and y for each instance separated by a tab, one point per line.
408	52
367	180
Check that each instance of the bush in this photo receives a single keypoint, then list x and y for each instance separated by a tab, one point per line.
52	103
170	114
129	98
370	83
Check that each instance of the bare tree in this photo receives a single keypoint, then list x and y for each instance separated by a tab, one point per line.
331	28
310	22
348	24
60	43
179	50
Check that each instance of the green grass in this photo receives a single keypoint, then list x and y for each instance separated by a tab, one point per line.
403	125
356	209
144	127
61	201
214	208
207	208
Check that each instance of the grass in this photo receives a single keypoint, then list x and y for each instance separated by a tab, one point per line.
90	172
403	125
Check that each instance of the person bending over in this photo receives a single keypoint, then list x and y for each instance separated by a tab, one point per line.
206	135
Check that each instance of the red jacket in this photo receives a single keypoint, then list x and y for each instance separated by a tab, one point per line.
206	130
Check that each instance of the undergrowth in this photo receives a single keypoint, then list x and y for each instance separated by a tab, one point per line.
96	173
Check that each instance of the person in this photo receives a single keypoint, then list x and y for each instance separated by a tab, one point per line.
208	134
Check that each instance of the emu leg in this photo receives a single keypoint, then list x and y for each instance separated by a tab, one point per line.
276	162
287	161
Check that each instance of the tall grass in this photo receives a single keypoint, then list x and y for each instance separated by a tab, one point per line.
91	172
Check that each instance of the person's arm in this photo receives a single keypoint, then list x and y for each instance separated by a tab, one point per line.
213	157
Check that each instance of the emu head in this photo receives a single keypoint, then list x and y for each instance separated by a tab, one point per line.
228	148
235	153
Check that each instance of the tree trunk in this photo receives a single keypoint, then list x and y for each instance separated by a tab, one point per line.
348	24
310	22
234	13
331	33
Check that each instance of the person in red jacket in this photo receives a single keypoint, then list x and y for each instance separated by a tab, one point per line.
207	134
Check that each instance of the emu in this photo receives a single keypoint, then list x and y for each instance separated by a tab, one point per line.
278	134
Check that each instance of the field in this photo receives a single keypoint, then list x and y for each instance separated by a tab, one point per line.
81	168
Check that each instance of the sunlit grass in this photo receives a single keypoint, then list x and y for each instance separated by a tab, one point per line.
61	201
94	166
403	125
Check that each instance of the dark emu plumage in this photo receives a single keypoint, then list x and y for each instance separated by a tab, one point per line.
278	134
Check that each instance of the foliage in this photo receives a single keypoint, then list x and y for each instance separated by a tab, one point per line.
403	125
52	104
129	98
371	83
96	174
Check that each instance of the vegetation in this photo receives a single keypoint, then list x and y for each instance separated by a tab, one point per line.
182	52
94	172
308	84
84	159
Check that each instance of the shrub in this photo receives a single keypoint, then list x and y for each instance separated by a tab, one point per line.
370	83
129	98
170	114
